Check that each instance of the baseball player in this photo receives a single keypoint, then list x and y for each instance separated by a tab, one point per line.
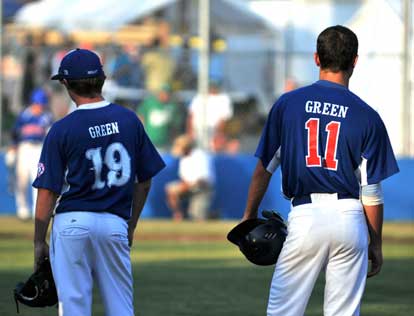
28	134
334	151
98	162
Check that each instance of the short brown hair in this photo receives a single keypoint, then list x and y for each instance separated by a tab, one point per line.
88	87
337	48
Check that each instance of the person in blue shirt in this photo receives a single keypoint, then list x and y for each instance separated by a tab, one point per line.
333	151
28	134
95	171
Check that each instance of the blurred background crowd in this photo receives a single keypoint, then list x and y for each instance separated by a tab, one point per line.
205	70
152	67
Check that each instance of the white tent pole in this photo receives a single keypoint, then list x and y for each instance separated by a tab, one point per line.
203	64
407	129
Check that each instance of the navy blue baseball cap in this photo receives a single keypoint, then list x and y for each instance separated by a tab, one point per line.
79	64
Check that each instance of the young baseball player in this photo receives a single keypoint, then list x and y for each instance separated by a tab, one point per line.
98	163
334	151
28	135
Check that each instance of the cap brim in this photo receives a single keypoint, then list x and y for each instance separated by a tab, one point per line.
57	77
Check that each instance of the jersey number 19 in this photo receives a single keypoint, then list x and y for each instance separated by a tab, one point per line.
117	160
313	158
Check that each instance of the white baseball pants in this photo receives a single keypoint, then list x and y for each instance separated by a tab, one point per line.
327	235
87	247
27	159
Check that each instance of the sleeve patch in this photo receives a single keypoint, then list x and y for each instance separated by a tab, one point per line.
40	169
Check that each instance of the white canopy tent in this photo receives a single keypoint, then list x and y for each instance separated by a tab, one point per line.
68	15
378	77
228	16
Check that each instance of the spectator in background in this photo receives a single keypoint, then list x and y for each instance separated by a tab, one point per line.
137	79
158	66
290	85
119	67
195	184
59	54
59	102
184	77
218	109
29	69
11	70
124	67
28	134
161	118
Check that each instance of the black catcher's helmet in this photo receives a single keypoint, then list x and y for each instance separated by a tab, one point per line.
260	240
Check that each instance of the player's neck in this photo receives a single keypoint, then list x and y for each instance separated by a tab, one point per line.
81	100
340	77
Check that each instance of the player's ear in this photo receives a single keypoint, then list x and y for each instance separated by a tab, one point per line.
355	61
316	58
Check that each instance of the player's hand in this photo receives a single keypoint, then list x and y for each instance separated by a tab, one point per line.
375	255
245	218
41	250
249	215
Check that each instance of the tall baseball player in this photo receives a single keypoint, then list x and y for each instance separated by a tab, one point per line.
334	152
98	162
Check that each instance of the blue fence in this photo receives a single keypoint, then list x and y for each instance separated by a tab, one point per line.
233	176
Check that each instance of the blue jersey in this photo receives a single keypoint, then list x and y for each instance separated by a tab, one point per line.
326	140
93	157
32	125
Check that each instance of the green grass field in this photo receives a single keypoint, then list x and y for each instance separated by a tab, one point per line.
189	269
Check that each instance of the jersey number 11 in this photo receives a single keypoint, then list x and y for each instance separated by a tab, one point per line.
313	158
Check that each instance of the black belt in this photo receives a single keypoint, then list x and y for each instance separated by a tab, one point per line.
306	199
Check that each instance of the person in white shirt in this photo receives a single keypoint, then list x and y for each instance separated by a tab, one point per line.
195	183
213	115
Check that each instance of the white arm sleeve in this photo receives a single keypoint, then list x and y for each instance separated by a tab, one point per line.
371	194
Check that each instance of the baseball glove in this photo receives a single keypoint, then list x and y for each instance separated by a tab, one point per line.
39	290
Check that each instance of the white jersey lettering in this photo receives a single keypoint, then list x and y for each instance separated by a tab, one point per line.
326	108
103	130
